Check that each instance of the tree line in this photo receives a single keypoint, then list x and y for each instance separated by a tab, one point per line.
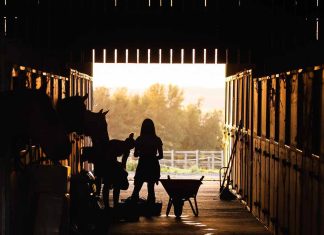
180	127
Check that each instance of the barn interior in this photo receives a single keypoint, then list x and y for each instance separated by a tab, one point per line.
274	56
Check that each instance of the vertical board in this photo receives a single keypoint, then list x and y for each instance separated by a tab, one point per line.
321	189
293	155
263	166
255	147
314	175
274	169
257	176
249	140
282	156
306	161
292	194
321	173
299	200
272	165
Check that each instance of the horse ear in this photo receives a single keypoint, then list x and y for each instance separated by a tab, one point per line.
104	113
100	110
85	97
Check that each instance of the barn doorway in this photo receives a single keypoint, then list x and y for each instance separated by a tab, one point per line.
185	100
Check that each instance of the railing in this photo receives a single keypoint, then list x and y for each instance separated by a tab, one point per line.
188	159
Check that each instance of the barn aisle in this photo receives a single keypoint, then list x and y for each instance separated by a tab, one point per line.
215	216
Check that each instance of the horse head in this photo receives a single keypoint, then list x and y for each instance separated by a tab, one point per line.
95	125
30	115
71	111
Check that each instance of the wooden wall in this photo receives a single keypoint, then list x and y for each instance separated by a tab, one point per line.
278	166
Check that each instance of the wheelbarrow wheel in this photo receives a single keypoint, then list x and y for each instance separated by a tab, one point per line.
178	206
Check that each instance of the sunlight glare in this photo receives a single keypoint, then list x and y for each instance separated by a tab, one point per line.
206	81
139	76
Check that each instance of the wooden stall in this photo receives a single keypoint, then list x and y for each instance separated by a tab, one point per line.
279	174
45	189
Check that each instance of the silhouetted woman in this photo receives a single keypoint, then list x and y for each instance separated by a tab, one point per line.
148	147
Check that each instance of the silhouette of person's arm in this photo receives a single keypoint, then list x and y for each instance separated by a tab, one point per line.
136	150
124	158
160	151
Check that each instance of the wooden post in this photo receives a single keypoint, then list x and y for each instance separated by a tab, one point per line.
197	158
186	160
172	158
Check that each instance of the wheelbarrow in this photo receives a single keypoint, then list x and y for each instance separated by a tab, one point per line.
179	191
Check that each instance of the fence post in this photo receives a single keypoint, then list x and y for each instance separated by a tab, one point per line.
213	161
197	158
222	158
172	158
186	160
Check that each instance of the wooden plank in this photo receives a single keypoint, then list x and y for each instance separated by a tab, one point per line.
321	163
249	143
282	155
322	118
281	190
307	198
244	169
264	97
259	179
240	153
314	175
273	157
267	180
292	193
230	104
249	172
306	163
234	103
294	114
256	155
255	107
2	196
274	187
321	192
263	183
226	102
299	202
282	111
239	101
263	155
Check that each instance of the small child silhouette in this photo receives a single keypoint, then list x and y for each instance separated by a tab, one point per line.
116	174
148	147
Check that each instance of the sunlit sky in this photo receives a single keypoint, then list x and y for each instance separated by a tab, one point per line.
206	81
139	76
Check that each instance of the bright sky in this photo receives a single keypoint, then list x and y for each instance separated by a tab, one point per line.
139	76
199	81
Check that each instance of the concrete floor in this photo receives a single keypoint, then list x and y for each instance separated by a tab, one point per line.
215	216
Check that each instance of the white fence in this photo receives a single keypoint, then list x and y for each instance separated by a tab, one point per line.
198	158
187	159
